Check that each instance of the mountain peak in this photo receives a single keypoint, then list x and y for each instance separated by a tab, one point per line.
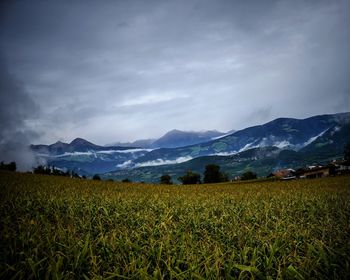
174	131
179	138
58	144
80	141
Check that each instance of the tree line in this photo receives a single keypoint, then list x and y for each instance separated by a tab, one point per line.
8	166
212	174
52	170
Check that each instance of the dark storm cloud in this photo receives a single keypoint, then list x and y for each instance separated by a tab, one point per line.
15	108
120	70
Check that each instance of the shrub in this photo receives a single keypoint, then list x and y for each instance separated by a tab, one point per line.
41	169
190	178
347	151
165	179
8	167
212	174
249	175
126	180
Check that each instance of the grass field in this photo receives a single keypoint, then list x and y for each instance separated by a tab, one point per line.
62	228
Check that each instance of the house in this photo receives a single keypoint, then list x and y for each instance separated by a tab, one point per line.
316	172
236	178
284	174
342	166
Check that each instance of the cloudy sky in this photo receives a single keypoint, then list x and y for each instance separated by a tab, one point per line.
123	70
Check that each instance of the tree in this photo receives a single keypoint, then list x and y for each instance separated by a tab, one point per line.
41	169
347	151
212	174
8	167
190	178
76	175
126	180
224	177
248	175
96	177
165	179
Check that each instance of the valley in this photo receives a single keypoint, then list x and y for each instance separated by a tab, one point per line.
281	143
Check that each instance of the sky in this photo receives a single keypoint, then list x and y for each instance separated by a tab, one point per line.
122	70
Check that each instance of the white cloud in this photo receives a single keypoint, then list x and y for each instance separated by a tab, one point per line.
221	136
189	65
127	151
312	139
153	98
69	154
248	146
125	164
282	144
225	153
160	161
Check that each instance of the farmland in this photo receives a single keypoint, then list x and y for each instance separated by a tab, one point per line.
61	228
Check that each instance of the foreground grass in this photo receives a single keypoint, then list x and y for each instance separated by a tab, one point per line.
61	228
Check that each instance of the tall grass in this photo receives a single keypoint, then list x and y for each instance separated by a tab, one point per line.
61	228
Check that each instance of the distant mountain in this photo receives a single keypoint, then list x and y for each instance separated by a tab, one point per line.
330	143
284	142
262	160
284	133
142	143
85	157
176	138
77	145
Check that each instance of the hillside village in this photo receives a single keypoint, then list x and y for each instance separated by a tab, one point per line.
336	167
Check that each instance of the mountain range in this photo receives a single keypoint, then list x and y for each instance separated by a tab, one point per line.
176	138
77	145
87	158
283	142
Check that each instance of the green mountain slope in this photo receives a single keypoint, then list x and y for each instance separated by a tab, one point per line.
263	160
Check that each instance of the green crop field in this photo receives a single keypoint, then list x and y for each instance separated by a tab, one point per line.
62	228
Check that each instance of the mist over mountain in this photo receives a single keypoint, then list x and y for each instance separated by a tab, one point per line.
175	138
142	143
281	142
85	157
263	159
77	145
122	70
284	133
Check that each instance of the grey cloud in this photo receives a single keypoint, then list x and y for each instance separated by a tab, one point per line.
96	68
15	108
343	103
